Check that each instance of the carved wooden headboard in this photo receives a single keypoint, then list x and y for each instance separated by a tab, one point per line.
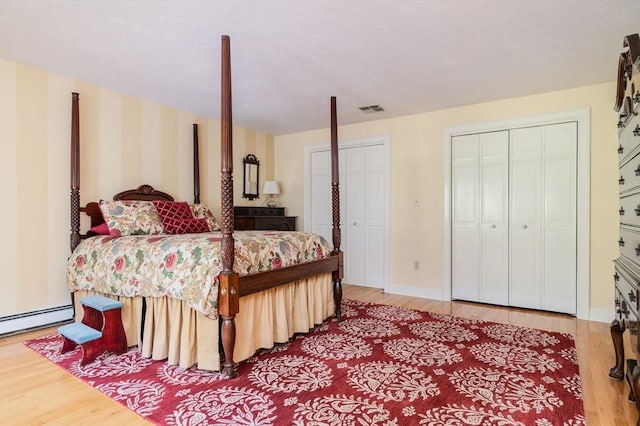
143	192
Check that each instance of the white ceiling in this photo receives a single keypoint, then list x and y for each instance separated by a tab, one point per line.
290	56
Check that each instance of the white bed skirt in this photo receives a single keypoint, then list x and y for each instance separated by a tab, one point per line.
185	337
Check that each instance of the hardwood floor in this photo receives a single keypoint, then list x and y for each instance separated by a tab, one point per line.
33	391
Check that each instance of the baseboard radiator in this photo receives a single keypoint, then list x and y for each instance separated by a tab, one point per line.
12	324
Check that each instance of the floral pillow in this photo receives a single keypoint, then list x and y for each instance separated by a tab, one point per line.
131	217
202	211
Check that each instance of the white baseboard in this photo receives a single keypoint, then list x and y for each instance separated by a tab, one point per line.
601	315
597	315
424	293
28	320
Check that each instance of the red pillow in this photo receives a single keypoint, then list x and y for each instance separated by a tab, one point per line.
185	226
172	210
102	229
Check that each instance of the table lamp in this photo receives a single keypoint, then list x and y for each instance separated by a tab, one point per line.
272	188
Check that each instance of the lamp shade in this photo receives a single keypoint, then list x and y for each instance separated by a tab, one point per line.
271	187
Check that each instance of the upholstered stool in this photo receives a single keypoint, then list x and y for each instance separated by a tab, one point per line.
101	329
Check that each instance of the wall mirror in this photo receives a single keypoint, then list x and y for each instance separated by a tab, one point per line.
251	167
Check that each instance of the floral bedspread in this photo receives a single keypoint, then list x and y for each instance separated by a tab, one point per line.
183	266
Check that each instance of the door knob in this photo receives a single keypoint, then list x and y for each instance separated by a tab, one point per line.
524	226
493	227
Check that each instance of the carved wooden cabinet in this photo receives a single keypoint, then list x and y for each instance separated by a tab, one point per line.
262	218
627	267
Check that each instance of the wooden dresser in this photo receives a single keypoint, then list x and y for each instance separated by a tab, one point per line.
262	218
627	267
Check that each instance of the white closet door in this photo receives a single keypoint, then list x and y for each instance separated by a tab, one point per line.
364	221
543	217
362	212
480	217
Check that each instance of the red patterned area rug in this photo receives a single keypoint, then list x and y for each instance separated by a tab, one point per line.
381	365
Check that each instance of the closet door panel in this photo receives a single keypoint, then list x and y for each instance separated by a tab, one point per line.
365	215
525	211
465	233
494	257
355	266
374	215
560	192
480	255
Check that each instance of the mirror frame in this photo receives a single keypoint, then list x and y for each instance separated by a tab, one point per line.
248	163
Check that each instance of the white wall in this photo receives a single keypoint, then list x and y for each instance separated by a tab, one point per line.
417	173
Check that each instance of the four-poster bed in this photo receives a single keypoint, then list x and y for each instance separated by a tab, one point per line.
286	295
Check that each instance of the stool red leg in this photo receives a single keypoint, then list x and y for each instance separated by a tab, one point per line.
67	345
115	340
90	351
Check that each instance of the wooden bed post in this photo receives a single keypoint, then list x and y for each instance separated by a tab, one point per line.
335	202
228	300
75	172
196	165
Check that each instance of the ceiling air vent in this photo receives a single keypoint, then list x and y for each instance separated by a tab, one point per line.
371	108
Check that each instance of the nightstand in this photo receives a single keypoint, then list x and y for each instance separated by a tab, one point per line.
262	218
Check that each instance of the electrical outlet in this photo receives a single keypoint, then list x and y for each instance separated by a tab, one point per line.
416	203
416	265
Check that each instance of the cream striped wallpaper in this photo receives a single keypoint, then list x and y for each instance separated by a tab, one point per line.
125	141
